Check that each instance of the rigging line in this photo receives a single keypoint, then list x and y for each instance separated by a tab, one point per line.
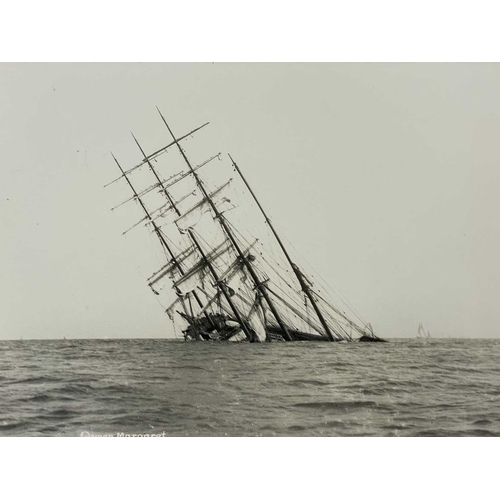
346	334
169	207
155	154
344	328
202	264
142	193
242	202
230	256
174	206
154	250
176	248
274	257
216	233
296	302
248	243
203	240
208	276
335	322
337	311
344	300
230	272
279	285
152	187
157	300
135	225
225	308
274	263
313	324
170	264
277	273
271	251
295	268
165	184
293	299
227	230
143	206
296	295
266	248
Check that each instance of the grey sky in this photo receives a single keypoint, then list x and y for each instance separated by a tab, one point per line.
384	176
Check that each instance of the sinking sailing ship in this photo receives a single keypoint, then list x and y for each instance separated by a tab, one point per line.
222	282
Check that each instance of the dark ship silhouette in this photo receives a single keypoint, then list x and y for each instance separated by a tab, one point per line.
225	284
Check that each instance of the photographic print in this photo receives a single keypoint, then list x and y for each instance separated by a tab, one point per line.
249	249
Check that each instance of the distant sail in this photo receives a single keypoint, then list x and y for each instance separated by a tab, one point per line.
421	333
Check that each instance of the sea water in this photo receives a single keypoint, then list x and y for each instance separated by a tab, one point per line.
432	387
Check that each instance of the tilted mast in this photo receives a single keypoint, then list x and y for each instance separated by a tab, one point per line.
156	228
303	284
260	286
211	268
210	265
174	206
148	216
154	155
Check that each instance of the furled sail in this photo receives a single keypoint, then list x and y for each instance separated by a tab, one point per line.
193	216
256	318
198	272
168	268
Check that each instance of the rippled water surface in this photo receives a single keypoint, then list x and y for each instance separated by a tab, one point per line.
401	388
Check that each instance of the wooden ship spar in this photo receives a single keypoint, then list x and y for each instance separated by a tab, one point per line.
221	282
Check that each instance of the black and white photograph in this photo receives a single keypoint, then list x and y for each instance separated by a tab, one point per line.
297	250
200	248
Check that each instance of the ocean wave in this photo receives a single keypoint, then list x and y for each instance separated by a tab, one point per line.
404	388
